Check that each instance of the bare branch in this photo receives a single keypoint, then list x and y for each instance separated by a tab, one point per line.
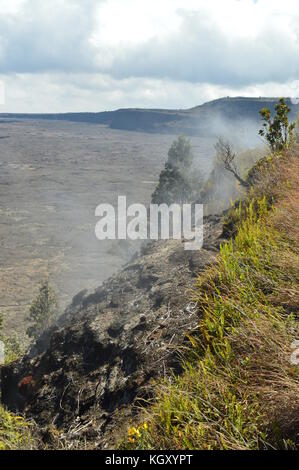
228	158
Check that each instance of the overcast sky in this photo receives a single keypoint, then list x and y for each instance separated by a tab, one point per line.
94	55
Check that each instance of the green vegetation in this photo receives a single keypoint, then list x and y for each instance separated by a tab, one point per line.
278	132
172	187
179	181
43	311
239	389
180	154
14	348
15	432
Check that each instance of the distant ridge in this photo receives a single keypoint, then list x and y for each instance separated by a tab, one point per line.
199	120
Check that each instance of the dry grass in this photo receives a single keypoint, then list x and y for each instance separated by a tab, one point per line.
269	375
239	389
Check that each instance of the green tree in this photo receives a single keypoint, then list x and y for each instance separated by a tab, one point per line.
278	131
172	187
43	311
180	154
179	182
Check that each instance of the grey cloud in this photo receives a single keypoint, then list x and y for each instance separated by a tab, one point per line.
54	37
96	92
48	36
199	52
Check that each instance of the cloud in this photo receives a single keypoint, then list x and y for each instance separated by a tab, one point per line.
229	43
59	55
95	92
47	36
60	92
203	49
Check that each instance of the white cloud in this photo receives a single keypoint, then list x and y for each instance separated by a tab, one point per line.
48	35
96	92
104	54
8	7
238	43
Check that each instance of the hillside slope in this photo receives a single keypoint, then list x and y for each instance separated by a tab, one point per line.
112	344
230	311
239	389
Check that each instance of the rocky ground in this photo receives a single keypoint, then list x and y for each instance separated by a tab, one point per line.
102	359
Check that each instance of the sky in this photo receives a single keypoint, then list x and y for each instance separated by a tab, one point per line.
95	55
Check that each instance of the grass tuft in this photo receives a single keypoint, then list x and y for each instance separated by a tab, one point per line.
15	432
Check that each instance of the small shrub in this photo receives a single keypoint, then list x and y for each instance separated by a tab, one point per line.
278	131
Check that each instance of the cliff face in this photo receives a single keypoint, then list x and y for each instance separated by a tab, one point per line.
110	346
204	120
